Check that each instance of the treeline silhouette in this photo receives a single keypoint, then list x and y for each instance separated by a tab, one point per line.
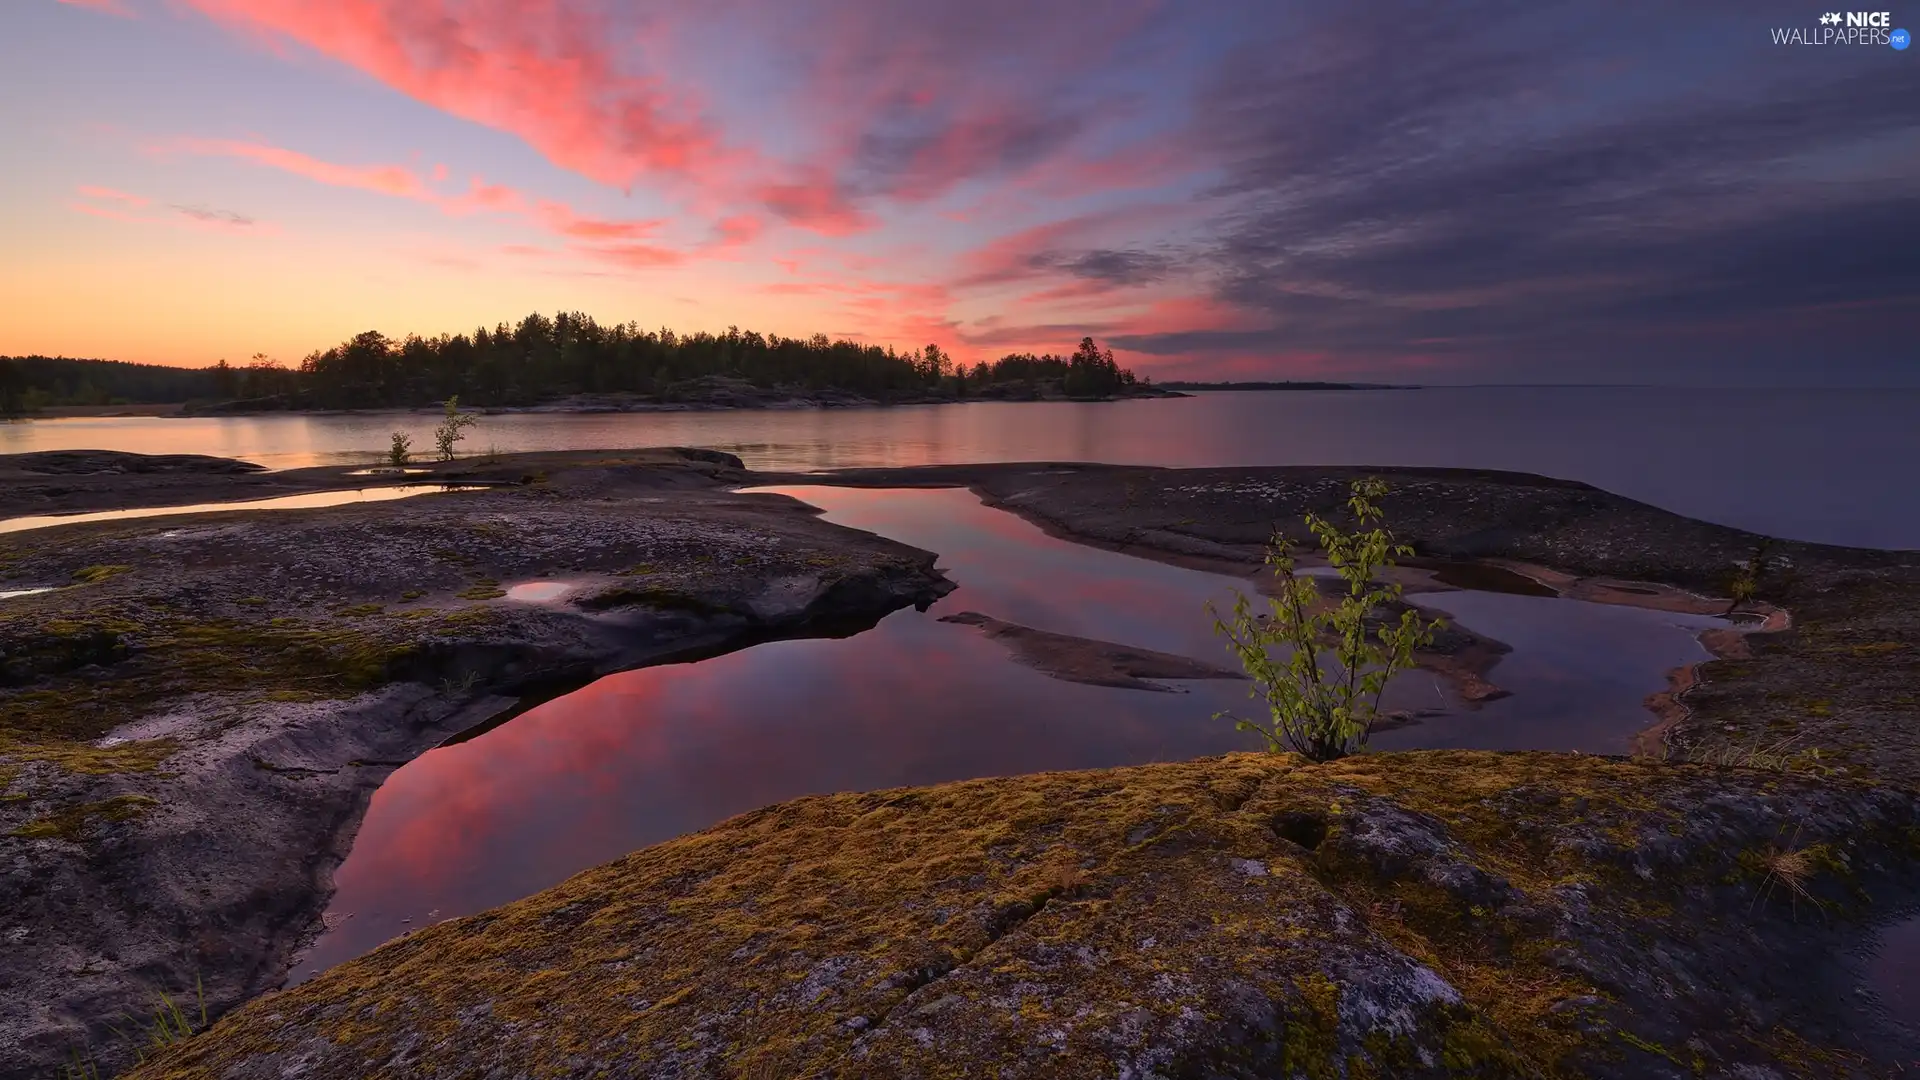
30	382
541	358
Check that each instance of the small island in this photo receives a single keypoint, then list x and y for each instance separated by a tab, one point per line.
567	363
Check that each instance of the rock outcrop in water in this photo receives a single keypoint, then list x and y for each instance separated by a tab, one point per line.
1089	661
1421	914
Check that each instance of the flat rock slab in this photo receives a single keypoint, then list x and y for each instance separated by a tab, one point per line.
75	481
1408	915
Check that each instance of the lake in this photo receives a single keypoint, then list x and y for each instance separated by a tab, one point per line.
1825	465
646	755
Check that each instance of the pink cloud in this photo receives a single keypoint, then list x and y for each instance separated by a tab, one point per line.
1180	314
942	92
108	212
896	108
737	231
109	194
539	69
1080	289
400	181
813	201
112	205
561	219
396	180
884	311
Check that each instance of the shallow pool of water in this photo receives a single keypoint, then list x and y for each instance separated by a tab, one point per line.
308	501
1893	972
8	594
538	592
643	756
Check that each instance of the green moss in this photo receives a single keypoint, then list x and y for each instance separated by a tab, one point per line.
1473	1048
291	696
75	823
86	759
714	930
151	655
354	611
1879	648
412	594
1651	1047
93	575
467	619
1310	1038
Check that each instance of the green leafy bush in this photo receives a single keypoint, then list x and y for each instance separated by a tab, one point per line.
1322	663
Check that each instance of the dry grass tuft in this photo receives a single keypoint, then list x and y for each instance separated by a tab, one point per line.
1791	867
1783	755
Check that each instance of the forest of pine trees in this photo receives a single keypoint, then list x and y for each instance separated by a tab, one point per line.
541	358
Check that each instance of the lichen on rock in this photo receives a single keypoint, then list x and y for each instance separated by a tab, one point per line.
1403	915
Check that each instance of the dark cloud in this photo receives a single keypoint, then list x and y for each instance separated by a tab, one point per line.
917	152
1116	267
217	217
1510	186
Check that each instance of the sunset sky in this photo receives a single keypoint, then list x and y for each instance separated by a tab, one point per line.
1537	192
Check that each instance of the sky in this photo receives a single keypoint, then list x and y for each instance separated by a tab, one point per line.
1398	191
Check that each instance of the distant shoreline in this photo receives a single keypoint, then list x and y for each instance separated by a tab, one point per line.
73	412
580	404
1186	385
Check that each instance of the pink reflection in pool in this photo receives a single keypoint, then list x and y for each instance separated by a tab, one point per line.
646	755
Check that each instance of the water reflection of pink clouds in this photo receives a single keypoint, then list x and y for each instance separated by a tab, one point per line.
642	756
998	558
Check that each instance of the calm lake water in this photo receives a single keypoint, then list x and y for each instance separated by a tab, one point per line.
646	755
309	501
1826	465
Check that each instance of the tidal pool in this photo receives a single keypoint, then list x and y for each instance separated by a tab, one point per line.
538	592
1893	972
646	755
308	501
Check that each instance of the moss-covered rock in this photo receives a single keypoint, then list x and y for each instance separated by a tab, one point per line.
1405	915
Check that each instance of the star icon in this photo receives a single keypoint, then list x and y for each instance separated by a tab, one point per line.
1831	18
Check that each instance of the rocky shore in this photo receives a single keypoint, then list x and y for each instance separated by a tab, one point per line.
1424	914
191	727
